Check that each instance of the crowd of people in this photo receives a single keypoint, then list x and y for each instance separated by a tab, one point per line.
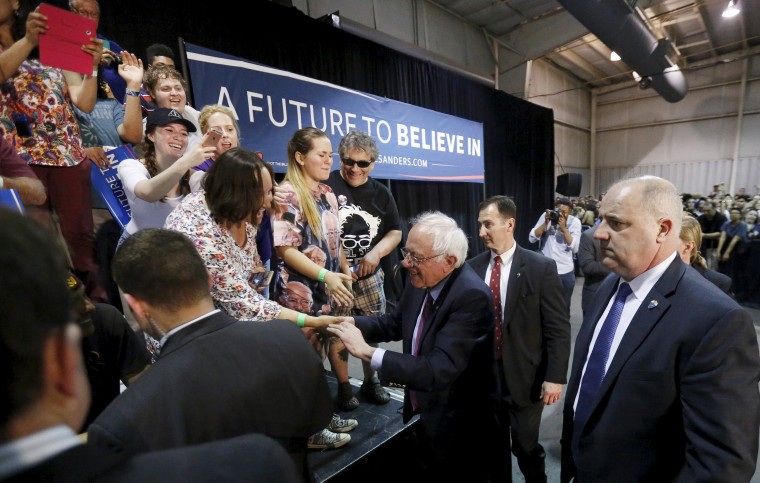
209	354
728	231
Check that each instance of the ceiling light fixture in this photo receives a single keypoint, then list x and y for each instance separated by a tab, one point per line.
731	10
614	57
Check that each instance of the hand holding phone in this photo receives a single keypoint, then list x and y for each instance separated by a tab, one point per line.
212	138
261	279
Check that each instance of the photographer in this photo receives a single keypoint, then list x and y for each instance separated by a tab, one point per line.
558	234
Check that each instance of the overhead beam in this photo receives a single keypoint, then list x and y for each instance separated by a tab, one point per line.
597	74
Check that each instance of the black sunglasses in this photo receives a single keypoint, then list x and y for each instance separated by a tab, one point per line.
350	163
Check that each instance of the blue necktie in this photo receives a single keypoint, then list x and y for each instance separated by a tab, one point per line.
597	362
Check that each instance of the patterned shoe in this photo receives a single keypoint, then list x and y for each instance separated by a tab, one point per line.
326	439
373	392
346	400
339	425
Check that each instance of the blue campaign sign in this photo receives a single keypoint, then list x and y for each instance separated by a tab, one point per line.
271	104
10	199
108	184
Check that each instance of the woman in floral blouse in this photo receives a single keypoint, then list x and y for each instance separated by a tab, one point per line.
221	220
37	118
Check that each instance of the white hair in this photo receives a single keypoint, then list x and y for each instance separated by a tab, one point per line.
448	238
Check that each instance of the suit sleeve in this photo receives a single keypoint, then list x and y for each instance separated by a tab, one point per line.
721	404
555	325
468	323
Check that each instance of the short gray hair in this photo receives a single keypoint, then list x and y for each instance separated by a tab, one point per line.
448	238
358	140
659	198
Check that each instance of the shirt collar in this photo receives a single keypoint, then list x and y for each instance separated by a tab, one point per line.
183	326
507	256
642	284
23	453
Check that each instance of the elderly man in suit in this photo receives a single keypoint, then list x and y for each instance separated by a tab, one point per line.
44	393
664	381
216	377
445	319
532	336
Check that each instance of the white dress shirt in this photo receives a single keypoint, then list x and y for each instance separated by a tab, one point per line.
640	287
506	267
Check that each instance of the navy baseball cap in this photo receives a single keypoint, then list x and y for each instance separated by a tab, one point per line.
163	116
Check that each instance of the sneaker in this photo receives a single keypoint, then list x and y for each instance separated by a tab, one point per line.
339	425
373	392
346	399
326	439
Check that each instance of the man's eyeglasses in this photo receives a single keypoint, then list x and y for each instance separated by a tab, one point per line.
350	163
91	14
407	254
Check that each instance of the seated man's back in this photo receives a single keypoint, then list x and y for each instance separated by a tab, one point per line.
216	377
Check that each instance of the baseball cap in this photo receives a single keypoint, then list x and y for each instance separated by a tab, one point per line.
564	201
163	116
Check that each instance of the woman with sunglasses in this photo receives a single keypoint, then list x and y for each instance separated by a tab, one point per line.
309	217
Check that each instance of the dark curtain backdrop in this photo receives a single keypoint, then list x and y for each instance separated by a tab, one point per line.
518	136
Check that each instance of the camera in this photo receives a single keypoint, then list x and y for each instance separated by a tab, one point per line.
554	215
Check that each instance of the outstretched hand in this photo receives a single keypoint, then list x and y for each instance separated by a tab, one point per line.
352	338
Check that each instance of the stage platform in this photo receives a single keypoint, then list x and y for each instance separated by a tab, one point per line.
375	443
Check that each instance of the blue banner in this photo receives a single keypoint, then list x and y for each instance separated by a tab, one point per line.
108	184
270	105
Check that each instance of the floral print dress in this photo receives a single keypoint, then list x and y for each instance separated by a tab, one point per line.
229	265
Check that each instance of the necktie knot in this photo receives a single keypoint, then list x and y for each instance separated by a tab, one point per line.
623	291
497	260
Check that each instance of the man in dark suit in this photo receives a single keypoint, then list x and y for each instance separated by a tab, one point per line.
664	382
447	370
534	336
44	393
216	377
590	262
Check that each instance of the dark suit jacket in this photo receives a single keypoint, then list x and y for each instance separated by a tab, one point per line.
680	399
220	378
247	458
590	262
722	281
454	374
535	324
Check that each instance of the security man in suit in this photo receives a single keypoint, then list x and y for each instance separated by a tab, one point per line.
664	381
590	262
532	337
217	377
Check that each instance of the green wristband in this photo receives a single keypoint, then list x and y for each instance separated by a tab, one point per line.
321	276
301	320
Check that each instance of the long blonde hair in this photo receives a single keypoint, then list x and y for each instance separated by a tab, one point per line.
692	232
302	142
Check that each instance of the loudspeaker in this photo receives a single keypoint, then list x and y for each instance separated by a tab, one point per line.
569	184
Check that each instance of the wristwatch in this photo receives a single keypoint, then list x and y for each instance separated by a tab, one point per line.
130	92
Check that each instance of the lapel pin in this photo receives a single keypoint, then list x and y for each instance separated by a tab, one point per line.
518	275
652	304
